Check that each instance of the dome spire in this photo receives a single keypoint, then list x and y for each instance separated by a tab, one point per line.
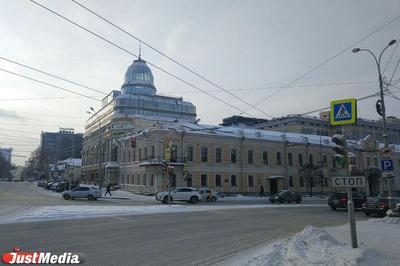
140	50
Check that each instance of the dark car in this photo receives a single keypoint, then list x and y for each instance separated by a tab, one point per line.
62	186
339	200
286	196
48	185
41	183
378	206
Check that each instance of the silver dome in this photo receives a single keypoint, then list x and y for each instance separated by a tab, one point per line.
138	79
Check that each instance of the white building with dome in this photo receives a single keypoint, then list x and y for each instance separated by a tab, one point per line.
124	112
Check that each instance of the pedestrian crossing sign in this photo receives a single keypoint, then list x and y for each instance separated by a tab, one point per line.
343	112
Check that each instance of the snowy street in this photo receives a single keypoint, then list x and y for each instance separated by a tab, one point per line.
115	232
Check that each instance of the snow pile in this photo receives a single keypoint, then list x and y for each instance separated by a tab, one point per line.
390	220
312	246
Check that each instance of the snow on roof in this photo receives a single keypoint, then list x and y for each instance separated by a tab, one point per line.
71	161
248	133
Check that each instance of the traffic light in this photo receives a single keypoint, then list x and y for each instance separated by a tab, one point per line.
133	142
340	148
379	107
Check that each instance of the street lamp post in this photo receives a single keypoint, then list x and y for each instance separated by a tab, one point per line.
92	112
383	109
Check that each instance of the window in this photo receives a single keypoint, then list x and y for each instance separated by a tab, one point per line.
233	156
290	159
174	153
278	158
152	152
300	159
140	154
301	181
324	161
376	162
251	181
250	157
233	181
368	161
129	156
189	154
311	161
203	180
218	155
145	153
334	162
265	157
218	181
204	155
290	181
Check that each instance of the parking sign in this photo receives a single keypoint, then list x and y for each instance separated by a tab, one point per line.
387	165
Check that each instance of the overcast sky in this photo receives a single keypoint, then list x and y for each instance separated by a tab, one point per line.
246	46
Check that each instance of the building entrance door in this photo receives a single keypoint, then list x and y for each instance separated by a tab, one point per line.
273	186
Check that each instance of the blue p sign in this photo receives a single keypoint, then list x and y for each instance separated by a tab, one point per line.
387	165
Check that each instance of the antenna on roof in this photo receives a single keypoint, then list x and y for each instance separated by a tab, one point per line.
140	50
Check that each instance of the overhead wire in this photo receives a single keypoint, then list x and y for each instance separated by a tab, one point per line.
129	52
52	75
391	56
168	57
328	60
48	84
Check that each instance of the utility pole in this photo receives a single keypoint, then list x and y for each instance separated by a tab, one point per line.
381	110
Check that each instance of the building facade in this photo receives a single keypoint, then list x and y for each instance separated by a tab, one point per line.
239	160
58	146
321	126
6	154
128	111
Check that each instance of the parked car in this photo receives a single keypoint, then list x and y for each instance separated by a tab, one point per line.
379	205
339	200
41	183
208	194
61	186
188	194
286	196
54	185
48	185
91	193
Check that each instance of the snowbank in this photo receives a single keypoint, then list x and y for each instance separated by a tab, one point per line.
315	246
45	213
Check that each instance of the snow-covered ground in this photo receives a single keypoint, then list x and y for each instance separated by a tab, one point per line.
379	244
45	213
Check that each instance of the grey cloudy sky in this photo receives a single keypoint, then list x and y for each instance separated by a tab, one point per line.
239	45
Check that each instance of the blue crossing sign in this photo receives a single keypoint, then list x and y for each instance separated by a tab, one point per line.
387	165
343	112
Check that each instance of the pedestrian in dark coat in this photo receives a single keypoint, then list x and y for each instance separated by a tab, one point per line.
108	190
262	191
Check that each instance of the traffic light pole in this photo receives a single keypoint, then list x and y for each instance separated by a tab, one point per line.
350	203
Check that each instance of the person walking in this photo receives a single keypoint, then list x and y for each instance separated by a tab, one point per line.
261	191
108	190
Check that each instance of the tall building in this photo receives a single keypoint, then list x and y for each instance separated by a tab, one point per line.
6	153
58	146
127	111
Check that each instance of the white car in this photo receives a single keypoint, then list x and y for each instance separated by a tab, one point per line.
91	193
188	194
208	194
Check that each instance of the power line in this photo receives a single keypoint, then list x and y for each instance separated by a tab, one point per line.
18	136
394	72
391	56
52	75
168	57
294	86
48	84
327	60
129	52
326	108
41	98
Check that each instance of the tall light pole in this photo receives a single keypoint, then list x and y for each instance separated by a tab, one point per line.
383	109
93	112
